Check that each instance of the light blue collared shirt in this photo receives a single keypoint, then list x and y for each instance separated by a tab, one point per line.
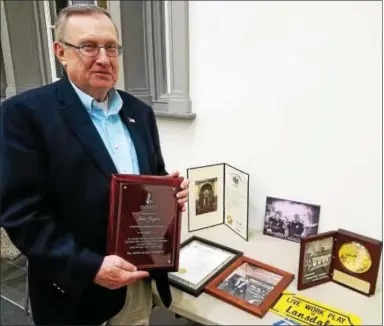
112	130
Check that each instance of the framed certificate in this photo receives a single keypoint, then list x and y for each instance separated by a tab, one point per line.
219	195
200	261
250	285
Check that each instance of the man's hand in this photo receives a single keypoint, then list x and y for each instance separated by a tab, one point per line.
115	272
183	194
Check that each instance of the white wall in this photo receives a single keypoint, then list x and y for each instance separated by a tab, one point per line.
289	92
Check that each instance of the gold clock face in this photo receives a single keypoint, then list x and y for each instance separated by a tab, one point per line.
355	257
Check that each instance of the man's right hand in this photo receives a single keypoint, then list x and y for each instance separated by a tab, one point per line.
115	272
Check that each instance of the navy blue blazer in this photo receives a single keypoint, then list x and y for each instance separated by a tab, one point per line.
55	198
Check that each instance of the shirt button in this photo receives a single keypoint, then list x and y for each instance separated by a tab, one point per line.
123	170
116	146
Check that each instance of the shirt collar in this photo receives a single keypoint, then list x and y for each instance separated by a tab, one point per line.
114	106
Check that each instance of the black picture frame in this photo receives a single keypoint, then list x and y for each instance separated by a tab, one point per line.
182	285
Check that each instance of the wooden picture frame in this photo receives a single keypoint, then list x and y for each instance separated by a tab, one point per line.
333	257
204	259
252	286
219	195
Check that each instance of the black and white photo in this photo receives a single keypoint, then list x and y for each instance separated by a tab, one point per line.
206	196
250	283
290	220
317	260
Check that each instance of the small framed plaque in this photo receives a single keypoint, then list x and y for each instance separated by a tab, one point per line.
144	224
341	256
219	195
200	261
250	285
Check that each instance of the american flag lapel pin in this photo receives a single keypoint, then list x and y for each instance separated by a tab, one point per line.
131	120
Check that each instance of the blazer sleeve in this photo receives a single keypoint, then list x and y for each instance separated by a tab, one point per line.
25	208
160	165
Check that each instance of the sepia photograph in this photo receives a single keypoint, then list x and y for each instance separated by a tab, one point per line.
250	283
290	220
317	260
206	196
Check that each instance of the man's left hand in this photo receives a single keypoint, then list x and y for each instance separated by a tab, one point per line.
182	195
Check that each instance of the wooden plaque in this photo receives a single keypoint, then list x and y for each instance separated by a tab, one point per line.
250	285
346	258
144	223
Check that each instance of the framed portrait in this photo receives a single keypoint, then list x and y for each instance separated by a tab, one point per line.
289	219
250	285
200	260
220	195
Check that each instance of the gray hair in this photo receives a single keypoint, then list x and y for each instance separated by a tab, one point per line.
77	9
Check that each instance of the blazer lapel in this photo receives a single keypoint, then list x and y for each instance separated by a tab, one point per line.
133	125
81	124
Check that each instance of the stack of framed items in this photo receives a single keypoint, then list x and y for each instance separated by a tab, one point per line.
228	275
200	261
220	195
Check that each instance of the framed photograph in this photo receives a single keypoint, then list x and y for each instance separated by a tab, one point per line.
250	285
200	260
290	220
347	258
219	195
316	260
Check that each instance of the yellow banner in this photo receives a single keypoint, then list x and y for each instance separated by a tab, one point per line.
309	312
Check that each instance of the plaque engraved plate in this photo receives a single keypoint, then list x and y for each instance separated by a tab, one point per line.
145	221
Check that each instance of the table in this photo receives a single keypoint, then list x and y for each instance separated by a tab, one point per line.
283	254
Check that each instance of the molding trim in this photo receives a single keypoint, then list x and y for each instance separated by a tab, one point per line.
158	39
7	55
10	91
39	42
185	116
142	94
26	88
170	39
138	57
115	11
178	39
47	19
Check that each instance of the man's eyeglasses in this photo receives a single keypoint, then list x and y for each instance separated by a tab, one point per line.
92	50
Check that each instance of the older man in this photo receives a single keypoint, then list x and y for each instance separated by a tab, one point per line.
61	142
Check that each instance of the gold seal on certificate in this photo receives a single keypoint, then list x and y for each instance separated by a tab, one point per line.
219	195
